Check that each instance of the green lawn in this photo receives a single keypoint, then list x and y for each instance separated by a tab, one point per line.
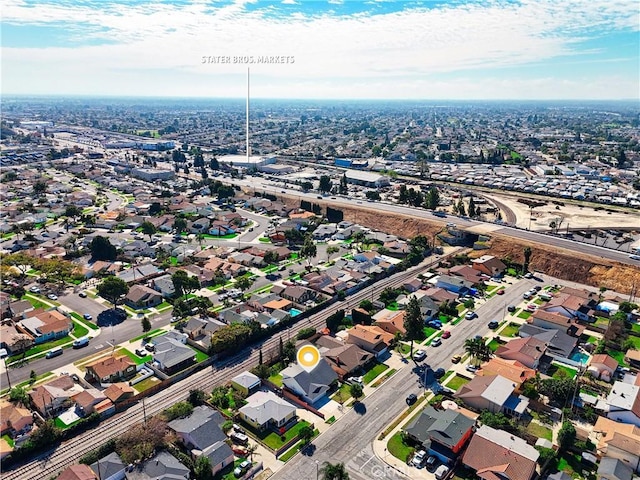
163	306
619	356
493	345
405	348
571	464
393	306
523	314
457	381
146	384
276	379
274	441
135	358
42	348
9	440
511	330
286	456
374	372
151	333
428	331
635	340
555	369
342	394
79	330
398	448
200	356
35	302
540	431
264	240
635	327
601	322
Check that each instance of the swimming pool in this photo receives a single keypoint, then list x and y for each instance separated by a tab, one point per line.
579	357
294	312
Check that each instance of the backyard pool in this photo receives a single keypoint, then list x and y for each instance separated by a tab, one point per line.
579	357
294	312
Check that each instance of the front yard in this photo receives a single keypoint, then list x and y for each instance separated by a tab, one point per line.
511	330
376	370
275	441
457	381
398	448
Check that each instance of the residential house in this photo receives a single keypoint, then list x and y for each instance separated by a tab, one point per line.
412	285
390	321
298	294
428	308
397	248
310	386
345	359
440	295
246	383
442	433
171	354
324	231
51	397
201	225
140	273
546	319
603	366
622	403
471	275
141	296
370	338
560	345
110	467
13	340
162	465
495	454
618	440
632	357
202	433
614	469
266	411
528	351
453	284
489	265
164	285
87	400
111	369
199	328
512	370
45	325
493	393
78	472
15	421
119	391
570	306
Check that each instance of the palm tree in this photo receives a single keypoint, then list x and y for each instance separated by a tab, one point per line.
478	350
251	449
334	472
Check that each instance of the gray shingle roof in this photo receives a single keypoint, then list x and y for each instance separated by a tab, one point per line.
446	427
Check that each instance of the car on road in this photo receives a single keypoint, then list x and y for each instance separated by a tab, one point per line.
419	458
419	355
493	325
470	315
436	342
439	373
52	296
528	275
446	334
411	399
634	257
471	368
87	316
35	289
456	358
82	294
511	308
241	468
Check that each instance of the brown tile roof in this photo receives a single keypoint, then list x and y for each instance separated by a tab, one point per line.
14	417
371	334
570	302
393	322
529	346
510	369
119	391
604	359
110	366
624	436
78	472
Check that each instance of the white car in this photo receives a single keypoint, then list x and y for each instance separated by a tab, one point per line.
52	296
419	355
419	458
240	469
634	257
35	289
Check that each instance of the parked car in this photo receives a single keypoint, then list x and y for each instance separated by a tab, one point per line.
493	325
471	368
419	458
35	289
239	438
52	296
446	334
436	342
431	463
82	294
537	288
441	472
419	355
456	358
470	315
500	292
87	316
532	307
527	295
242	468
437	324
439	373
511	308
237	428
411	399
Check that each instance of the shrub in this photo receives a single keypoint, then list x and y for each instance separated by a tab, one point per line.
306	333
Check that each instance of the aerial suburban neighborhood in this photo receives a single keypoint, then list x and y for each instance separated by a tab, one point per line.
238	241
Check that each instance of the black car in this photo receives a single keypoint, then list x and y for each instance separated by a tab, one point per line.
537	288
511	308
493	325
439	373
411	399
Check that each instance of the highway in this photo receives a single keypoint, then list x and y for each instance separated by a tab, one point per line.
53	461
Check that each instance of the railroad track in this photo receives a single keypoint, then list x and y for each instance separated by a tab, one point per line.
53	461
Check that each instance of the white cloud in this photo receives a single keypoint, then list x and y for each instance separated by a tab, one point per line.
159	41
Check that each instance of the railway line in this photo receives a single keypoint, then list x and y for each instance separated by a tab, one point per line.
49	463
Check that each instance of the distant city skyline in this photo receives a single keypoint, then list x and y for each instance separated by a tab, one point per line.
449	50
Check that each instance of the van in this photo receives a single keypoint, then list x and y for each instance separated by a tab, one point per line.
545	296
54	352
81	342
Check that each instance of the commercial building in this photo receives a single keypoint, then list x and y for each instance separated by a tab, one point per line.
367	179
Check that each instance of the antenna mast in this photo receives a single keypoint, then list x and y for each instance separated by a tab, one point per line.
248	147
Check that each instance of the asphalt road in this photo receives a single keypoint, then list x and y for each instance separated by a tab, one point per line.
350	439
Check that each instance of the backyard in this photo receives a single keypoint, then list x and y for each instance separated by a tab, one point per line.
561	371
539	431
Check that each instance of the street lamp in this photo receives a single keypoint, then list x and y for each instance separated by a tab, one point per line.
317	470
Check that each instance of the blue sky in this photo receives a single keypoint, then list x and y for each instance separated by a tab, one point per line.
345	49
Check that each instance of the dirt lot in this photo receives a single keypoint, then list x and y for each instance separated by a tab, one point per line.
556	262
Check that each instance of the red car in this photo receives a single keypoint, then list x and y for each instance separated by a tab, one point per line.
446	334
500	292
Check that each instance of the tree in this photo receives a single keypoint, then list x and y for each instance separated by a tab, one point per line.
71	211
367	305
326	184
527	258
146	324
289	352
559	390
330	471
102	249
335	320
178	410
461	210
566	436
305	434
196	397
413	322
19	395
184	284
331	250
309	249
155	209
472	208
616	331
621	158
270	257
355	390
306	186
179	225
39	188
202	469
343	189
112	289
478	349
213	164
148	228
244	283
433	198
498	420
